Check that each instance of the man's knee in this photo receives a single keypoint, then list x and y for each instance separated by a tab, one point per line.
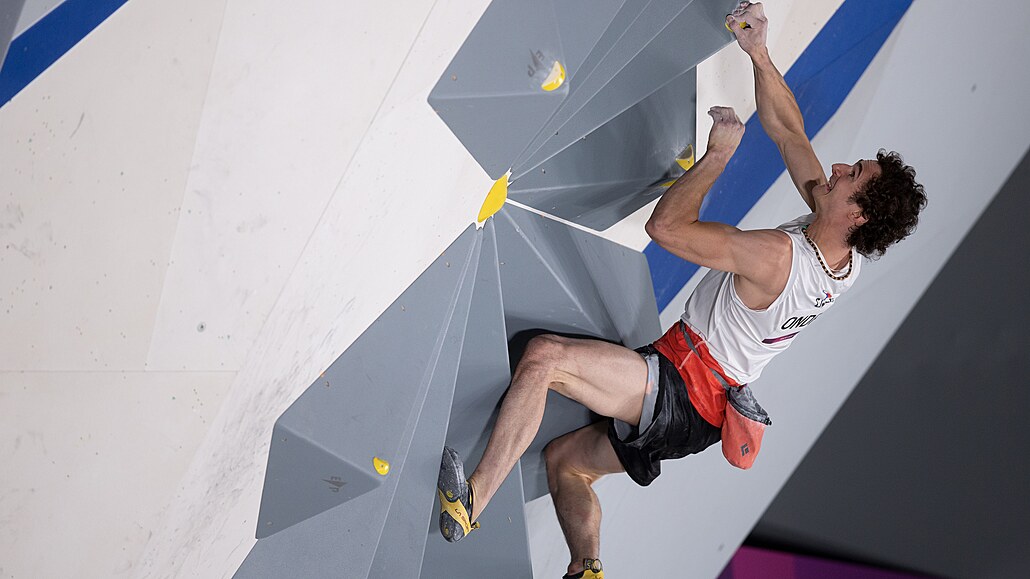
553	453
563	457
545	348
545	354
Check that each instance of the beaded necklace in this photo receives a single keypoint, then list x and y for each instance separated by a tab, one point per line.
851	255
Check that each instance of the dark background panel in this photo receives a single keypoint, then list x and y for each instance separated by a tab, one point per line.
927	465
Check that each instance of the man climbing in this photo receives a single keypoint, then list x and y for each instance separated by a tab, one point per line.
669	399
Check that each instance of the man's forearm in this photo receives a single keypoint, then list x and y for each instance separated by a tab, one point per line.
681	204
777	109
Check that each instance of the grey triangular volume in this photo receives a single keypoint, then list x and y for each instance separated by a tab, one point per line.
581	25
491	95
601	179
628	34
481	377
546	282
343	541
668	39
587	29
557	278
10	13
324	446
484	372
503	541
573	14
403	541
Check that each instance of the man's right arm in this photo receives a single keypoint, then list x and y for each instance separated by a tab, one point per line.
777	109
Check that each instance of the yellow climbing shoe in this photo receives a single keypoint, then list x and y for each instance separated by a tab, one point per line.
455	497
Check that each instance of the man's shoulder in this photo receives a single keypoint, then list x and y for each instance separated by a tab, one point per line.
768	258
770	241
797	222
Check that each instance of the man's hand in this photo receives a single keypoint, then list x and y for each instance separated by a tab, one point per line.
750	26
726	132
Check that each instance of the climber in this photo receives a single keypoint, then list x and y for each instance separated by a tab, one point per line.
688	390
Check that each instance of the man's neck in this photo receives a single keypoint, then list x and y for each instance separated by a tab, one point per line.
831	239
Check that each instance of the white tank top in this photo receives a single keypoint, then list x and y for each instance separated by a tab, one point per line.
743	340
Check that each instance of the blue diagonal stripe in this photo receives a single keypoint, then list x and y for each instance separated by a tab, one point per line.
821	78
35	49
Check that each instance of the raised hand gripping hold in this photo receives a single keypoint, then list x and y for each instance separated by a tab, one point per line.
726	133
749	24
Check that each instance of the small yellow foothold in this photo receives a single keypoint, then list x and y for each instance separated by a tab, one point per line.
382	467
668	183
686	158
556	77
495	198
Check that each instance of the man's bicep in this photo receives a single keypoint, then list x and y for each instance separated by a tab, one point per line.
752	254
706	243
803	166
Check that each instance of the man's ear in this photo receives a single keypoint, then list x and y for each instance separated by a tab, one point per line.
858	218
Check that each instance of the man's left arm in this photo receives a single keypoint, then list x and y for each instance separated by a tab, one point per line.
675	226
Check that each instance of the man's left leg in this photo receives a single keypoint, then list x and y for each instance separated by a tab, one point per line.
575	462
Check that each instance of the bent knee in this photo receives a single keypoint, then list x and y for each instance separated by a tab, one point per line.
546	354
545	348
564	456
553	452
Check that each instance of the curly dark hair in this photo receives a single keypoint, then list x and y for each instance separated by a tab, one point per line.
891	203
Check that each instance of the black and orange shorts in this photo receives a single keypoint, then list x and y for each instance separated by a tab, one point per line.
676	429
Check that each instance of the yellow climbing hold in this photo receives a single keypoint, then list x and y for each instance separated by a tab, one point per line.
686	158
382	467
555	79
743	25
495	198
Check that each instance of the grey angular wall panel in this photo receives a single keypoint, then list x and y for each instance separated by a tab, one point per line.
600	179
650	55
402	544
484	373
343	541
346	541
499	548
10	12
582	23
545	284
384	527
563	279
627	65
487	96
627	35
340	417
557	278
494	128
304	478
503	541
627	14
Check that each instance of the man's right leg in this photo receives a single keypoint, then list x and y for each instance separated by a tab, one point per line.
575	462
606	378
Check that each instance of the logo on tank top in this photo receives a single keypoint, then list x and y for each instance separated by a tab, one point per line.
793	323
826	299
